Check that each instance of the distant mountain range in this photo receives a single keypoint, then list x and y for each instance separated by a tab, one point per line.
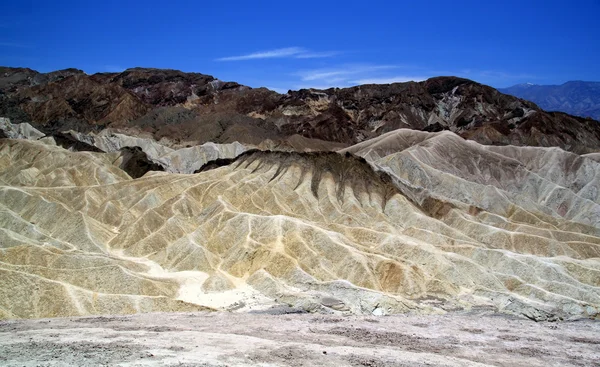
576	97
193	108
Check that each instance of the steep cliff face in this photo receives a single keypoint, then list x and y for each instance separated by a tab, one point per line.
195	108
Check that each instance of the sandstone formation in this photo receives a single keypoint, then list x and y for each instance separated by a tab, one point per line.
545	181
433	223
18	131
183	160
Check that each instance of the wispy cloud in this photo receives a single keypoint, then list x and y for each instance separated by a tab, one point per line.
390	80
13	44
493	77
501	74
278	90
331	73
348	75
288	52
341	73
278	53
317	55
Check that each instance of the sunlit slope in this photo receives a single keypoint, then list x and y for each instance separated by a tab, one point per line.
183	160
54	260
319	231
543	181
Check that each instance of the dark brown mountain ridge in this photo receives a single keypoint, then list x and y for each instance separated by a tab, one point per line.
195	108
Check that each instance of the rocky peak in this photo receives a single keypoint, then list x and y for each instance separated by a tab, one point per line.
227	111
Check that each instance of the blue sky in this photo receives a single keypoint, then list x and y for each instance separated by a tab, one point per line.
294	44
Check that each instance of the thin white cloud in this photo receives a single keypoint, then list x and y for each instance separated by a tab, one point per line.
278	53
287	52
316	55
341	73
343	83
324	75
390	80
278	90
502	74
487	76
336	80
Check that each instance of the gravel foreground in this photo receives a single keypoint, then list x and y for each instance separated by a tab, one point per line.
246	339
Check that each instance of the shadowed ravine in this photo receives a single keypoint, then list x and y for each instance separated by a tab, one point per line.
346	170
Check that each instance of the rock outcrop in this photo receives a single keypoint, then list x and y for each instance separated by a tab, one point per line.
18	131
137	155
192	109
183	160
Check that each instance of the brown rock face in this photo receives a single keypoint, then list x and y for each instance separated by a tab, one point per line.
472	110
163	87
195	107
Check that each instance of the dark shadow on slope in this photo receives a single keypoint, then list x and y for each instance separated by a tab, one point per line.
216	163
347	170
70	143
136	163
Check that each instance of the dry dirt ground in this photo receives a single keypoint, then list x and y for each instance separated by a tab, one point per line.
277	338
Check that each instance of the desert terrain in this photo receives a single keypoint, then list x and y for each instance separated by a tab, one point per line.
154	217
276	337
